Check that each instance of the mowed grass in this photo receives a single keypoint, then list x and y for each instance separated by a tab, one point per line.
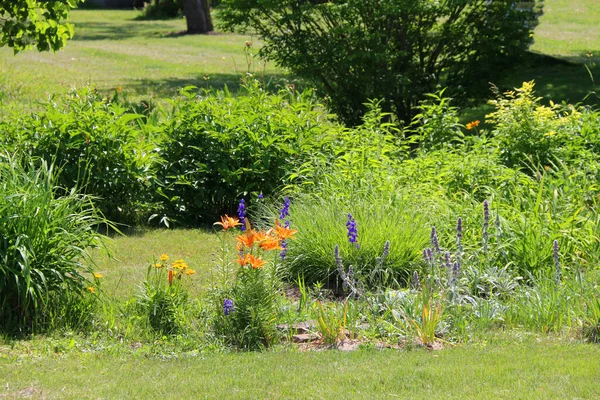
152	60
569	28
125	268
497	371
147	58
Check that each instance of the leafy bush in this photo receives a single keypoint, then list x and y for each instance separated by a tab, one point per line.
531	135
45	267
161	9
100	145
397	51
219	147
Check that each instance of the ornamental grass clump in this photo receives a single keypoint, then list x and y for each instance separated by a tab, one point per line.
46	271
360	226
245	297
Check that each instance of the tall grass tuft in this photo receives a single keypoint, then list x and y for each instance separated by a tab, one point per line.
45	267
321	220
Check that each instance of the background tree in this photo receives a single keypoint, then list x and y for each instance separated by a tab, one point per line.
197	16
197	13
39	23
394	50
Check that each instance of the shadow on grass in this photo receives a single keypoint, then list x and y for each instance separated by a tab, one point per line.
556	79
109	31
169	87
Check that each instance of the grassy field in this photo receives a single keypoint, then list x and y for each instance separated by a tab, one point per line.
495	371
151	59
147	58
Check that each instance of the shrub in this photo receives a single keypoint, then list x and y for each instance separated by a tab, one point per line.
100	146
219	147
532	135
45	267
397	51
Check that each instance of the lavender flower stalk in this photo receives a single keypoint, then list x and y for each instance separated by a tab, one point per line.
386	252
447	260
435	243
416	283
557	270
486	224
352	231
242	214
347	279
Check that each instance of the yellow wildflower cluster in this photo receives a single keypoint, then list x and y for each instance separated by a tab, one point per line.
176	269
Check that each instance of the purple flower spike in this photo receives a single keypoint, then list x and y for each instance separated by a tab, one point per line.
227	306
352	231
242	214
284	251
285	210
435	243
459	230
260	196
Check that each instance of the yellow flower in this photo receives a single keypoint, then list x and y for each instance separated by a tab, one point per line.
472	125
91	289
164	257
159	265
190	271
98	276
179	264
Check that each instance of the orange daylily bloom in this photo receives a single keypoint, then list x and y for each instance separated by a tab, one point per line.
284	233
270	243
255	262
228	222
261	236
472	125
243	260
248	238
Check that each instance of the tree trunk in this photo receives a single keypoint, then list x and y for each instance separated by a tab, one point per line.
197	16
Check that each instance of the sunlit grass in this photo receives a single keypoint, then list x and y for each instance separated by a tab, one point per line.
495	371
132	254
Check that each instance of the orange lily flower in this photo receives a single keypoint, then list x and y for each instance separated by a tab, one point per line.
228	222
270	243
248	238
243	260
284	233
255	262
472	125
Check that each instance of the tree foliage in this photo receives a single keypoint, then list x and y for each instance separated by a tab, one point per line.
39	23
395	50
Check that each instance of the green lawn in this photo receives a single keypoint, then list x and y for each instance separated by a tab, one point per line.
147	58
495	371
150	59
